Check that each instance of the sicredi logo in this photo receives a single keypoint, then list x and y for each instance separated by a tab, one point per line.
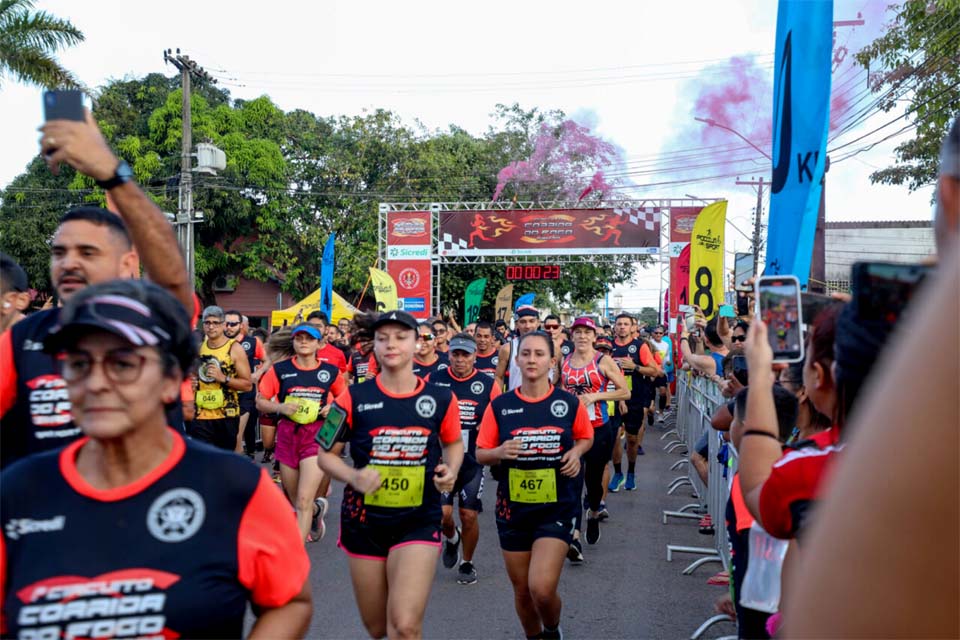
409	252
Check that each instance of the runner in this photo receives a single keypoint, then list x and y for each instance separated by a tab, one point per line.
224	372
535	437
474	391
143	532
508	373
326	352
427	359
561	344
236	327
390	515
636	361
279	348
358	368
299	390
664	346
440	330
587	373
90	245
487	353
14	291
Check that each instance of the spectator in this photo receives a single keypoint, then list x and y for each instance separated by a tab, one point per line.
14	290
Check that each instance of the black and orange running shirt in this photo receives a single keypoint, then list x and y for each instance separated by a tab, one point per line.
531	488
311	389
402	437
176	554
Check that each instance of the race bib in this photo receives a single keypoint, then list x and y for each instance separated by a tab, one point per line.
399	487
308	411
210	398
533	486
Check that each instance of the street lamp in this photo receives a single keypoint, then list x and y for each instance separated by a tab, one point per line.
713	123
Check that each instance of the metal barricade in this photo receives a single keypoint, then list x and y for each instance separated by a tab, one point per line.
697	400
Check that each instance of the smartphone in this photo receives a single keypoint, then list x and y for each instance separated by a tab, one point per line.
778	305
814	303
690	322
63	104
743	303
740	369
726	311
881	290
332	429
687	309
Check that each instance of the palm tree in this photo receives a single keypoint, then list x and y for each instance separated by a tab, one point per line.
28	42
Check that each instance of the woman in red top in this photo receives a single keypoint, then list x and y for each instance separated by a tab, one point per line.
300	390
535	436
398	426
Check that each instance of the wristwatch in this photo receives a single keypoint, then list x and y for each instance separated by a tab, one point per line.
226	380
121	175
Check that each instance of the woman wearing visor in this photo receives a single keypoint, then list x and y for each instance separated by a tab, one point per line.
134	530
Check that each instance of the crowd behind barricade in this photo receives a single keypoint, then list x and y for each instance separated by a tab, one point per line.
112	401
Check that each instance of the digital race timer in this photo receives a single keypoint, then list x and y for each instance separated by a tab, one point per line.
533	272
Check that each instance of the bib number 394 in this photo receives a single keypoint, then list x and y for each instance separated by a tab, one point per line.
399	487
533	486
307	412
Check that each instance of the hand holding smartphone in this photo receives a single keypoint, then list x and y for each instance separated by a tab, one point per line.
778	306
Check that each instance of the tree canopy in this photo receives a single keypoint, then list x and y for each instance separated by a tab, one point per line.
29	41
916	60
291	179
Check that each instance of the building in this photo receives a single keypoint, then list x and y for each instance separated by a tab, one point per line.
873	241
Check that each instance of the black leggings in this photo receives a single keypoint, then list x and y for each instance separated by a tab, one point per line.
596	460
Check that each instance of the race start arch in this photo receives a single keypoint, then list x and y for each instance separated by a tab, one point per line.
417	239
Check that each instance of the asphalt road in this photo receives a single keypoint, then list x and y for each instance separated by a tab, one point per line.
624	589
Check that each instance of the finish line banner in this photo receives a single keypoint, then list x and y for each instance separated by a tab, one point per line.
550	232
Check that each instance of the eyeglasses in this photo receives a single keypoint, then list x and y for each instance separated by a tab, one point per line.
211	323
551	327
231	324
440	330
742	338
119	366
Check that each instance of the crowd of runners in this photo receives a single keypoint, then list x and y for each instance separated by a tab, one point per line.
112	402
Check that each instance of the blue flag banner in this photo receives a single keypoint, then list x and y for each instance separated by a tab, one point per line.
801	118
326	278
526	300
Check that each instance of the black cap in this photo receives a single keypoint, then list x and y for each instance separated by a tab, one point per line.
396	317
13	277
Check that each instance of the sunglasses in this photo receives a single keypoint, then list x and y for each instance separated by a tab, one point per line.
551	327
427	337
738	338
232	324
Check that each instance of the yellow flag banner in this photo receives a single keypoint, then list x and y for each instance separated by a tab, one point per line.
504	303
384	289
706	258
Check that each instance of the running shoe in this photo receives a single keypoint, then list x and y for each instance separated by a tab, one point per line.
555	634
631	483
603	514
267	456
467	573
593	530
451	551
615	483
317	526
575	553
640	451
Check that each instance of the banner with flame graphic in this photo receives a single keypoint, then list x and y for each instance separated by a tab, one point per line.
550	232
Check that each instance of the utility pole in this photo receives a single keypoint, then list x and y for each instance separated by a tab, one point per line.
756	222
185	216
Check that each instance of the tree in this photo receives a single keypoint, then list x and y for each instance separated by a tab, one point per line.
648	316
28	42
917	59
